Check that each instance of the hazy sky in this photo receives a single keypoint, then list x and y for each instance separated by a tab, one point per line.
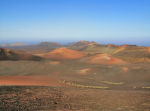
63	21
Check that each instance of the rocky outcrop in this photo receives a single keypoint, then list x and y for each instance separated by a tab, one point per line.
128	46
121	46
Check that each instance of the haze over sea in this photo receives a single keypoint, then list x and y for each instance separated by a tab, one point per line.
103	21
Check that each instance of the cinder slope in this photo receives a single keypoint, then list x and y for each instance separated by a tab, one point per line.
64	53
7	54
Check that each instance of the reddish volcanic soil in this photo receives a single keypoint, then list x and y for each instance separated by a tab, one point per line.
54	62
97	82
105	59
83	71
125	69
149	49
30	80
64	53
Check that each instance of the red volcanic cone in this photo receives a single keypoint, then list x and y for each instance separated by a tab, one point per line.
64	53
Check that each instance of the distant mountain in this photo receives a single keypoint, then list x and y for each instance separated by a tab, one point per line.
6	44
15	44
19	44
81	43
7	54
49	44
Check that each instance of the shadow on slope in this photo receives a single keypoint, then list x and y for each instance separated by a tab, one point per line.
7	54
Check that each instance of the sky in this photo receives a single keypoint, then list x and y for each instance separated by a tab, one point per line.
104	21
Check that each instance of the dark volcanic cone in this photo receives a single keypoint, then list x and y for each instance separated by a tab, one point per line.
7	54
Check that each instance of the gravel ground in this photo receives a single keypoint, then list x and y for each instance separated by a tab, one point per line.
46	98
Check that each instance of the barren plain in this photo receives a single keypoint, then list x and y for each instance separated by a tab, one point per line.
92	77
